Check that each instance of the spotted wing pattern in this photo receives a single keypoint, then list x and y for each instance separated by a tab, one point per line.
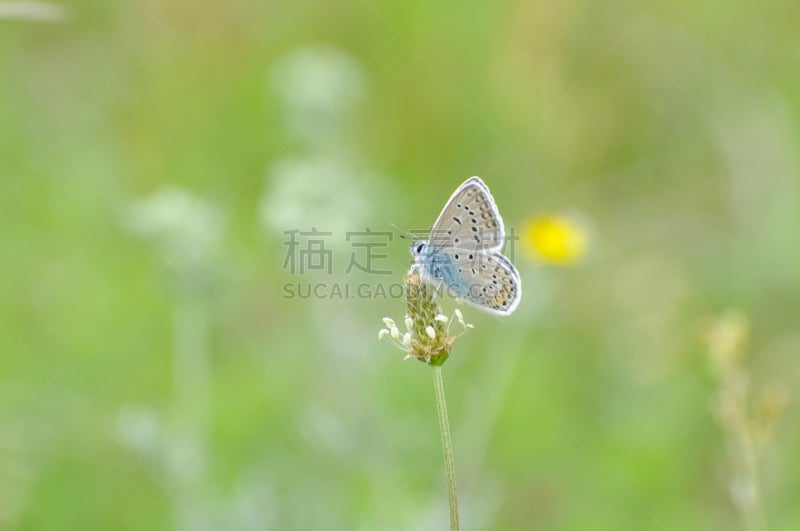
469	220
488	280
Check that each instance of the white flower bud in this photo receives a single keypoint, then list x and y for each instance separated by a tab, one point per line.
431	332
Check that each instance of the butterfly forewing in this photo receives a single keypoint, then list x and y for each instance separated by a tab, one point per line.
469	220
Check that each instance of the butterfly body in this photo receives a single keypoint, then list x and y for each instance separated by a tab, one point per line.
463	251
442	267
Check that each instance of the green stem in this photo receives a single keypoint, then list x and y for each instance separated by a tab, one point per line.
752	507
447	445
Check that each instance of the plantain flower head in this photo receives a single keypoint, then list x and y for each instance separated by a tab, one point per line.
427	335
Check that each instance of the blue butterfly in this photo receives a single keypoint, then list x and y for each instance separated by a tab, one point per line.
463	251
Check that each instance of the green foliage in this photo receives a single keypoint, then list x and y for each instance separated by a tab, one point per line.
156	374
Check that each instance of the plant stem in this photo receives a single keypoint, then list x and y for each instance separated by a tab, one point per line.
447	445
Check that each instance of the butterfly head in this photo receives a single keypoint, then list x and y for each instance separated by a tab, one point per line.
418	248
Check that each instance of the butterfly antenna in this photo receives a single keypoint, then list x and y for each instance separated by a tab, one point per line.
403	233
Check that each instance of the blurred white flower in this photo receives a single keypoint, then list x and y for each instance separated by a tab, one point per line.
317	87
28	10
322	192
253	504
183	226
139	428
185	459
325	185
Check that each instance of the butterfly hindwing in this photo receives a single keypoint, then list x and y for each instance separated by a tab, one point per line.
488	280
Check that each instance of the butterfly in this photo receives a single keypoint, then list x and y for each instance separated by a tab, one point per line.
463	251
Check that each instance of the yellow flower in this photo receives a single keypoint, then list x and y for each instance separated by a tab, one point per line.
554	239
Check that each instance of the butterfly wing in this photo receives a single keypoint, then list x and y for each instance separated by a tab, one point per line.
469	220
489	281
463	251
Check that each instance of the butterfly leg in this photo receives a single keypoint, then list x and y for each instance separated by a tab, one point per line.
438	288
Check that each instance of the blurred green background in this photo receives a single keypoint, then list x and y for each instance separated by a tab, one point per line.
156	374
